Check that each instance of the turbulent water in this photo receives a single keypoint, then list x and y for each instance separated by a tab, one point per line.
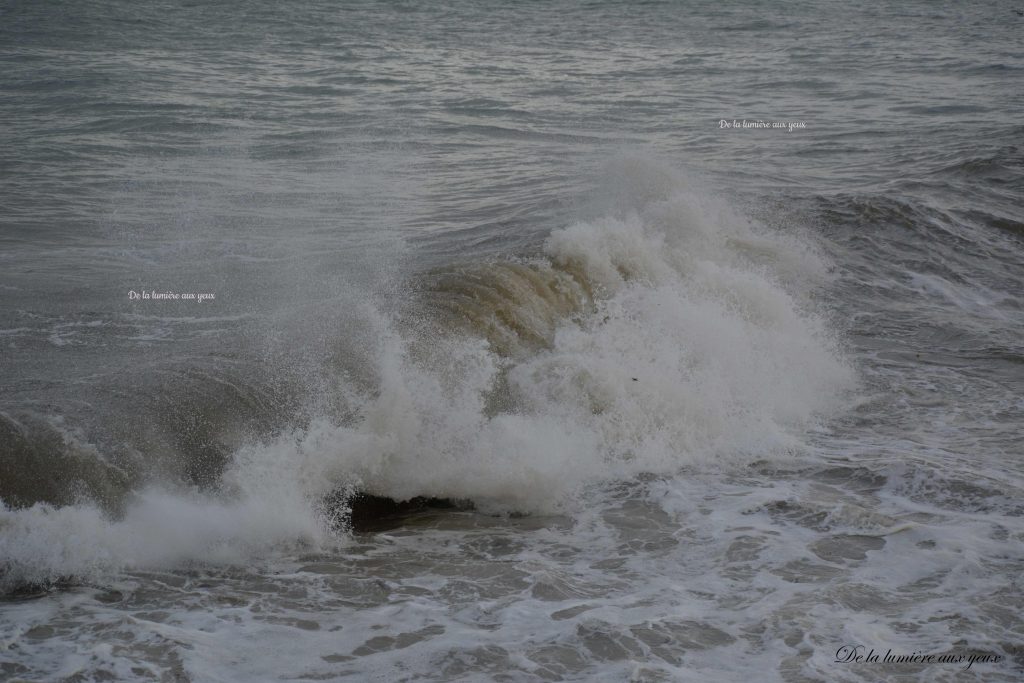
658	341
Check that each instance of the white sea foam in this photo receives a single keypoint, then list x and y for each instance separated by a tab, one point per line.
700	347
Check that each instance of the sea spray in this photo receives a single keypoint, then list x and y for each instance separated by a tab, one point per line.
670	333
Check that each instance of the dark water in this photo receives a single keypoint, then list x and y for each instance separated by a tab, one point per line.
712	401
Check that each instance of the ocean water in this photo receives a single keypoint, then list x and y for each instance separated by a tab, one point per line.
474	341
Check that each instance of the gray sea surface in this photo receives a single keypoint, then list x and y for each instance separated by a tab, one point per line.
674	341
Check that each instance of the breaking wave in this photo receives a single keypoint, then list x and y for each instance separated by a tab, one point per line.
669	332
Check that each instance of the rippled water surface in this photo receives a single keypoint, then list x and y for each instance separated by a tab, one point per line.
658	341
